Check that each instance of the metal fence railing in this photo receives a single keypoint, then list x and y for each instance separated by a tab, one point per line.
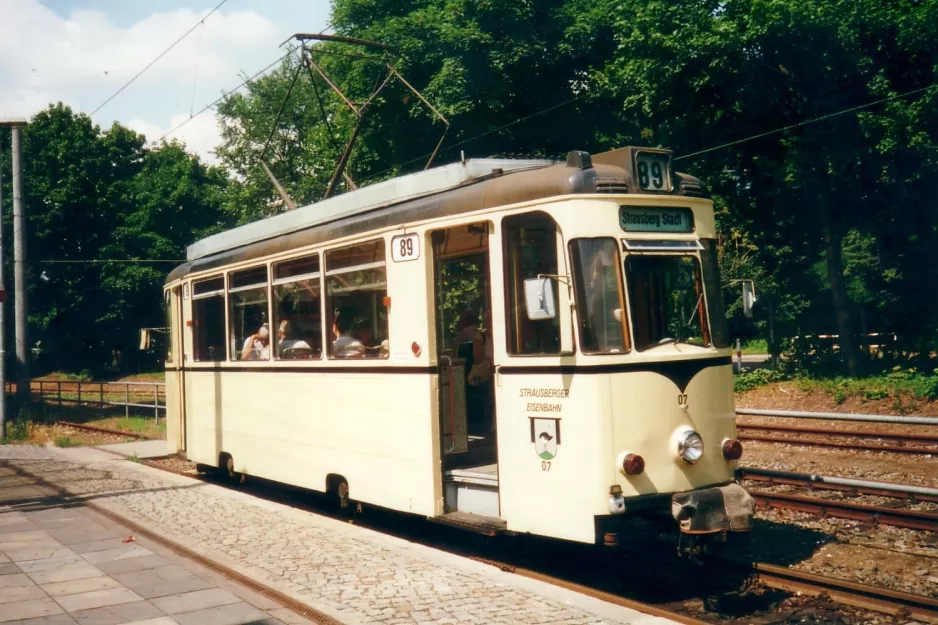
148	396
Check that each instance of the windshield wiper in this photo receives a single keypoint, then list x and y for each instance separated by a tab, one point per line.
681	336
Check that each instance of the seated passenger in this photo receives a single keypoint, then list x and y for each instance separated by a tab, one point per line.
257	346
345	345
467	328
288	345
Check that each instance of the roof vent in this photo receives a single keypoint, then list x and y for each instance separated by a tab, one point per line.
579	160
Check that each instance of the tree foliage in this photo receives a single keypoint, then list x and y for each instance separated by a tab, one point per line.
834	215
103	213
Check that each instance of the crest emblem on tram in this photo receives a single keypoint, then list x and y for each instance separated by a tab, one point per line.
545	434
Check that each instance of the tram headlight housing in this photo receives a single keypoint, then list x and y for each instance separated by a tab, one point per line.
690	446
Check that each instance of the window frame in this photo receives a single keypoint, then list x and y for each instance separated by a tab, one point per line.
236	348
195	297
699	277
557	247
626	321
274	311
327	298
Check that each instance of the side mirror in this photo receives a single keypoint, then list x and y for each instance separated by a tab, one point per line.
144	339
539	299
749	297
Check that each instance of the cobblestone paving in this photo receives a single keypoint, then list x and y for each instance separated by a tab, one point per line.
356	576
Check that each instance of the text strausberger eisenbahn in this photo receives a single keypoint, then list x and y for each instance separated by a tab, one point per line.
560	393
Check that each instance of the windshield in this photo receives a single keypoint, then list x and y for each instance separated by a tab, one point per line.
667	302
600	304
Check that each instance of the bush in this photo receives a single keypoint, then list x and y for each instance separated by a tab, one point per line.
17	430
757	378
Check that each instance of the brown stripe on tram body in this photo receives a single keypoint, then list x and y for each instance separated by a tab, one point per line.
681	372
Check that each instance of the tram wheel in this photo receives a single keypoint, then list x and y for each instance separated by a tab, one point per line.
337	489
227	470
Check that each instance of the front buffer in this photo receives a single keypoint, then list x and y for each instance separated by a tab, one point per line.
706	515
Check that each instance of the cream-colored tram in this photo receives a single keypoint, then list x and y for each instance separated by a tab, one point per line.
602	388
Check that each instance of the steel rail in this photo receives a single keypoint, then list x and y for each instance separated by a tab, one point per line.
896	436
838	416
901	604
880	515
905	489
853	490
814	442
93	428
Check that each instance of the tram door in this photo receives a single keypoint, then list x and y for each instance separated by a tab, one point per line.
175	380
462	297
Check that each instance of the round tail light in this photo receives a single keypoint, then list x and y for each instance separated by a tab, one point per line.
732	449
633	464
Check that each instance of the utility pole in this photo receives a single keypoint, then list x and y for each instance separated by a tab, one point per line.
3	297
19	262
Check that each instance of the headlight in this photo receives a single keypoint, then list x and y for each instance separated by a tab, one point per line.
690	446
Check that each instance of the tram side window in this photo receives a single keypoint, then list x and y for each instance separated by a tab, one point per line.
250	332
356	288
208	319
297	304
530	250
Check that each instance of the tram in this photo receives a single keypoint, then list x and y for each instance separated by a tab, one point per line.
335	347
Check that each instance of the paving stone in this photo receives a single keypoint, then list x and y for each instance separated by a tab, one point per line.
72	536
112	542
79	570
359	575
162	581
15	581
77	586
97	599
38	551
20	593
197	600
289	617
163	620
29	609
118	553
8	568
58	619
232	614
118	614
50	564
127	565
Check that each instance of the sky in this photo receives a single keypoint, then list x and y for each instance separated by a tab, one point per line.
80	52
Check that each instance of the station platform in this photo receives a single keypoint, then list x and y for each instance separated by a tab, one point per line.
71	510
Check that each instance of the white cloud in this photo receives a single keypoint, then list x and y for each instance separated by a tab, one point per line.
84	57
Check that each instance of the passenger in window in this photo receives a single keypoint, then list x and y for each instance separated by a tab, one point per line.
257	346
467	329
481	374
288	346
345	345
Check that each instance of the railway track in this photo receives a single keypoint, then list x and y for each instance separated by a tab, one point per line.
821	507
827	437
92	428
876	515
917	607
899	604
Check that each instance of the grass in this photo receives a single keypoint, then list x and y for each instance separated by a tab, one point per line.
64	441
755	347
902	386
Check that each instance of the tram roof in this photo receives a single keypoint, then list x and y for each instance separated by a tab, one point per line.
439	192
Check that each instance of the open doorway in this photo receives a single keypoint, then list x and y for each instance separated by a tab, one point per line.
467	407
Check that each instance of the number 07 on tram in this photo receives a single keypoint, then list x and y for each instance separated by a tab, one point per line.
507	345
